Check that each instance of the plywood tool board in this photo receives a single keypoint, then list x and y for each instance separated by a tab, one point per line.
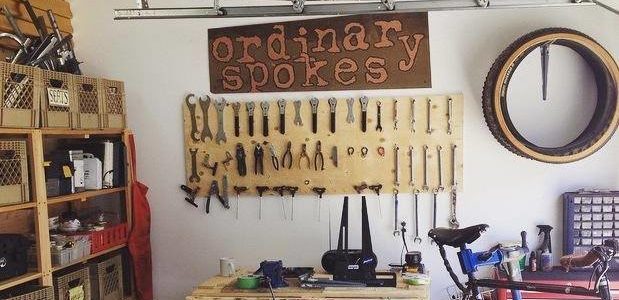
352	169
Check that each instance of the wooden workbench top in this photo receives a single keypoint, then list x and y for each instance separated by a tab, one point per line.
219	287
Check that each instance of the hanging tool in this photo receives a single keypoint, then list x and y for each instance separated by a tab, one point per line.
319	191
280	190
350	116
227	160
396	232
545	51
250	106
413	115
214	190
281	103
238	190
261	189
236	107
318	156
287	156
314	105
333	155
449	114
207	165
191	194
221	135
292	190
360	188
274	159
453	220
265	117
425	186
379	127
206	130
241	165
364	151
297	113
364	113
350	151
439	151
411	166
258	160
434	207
395	114
194	177
417	238
396	150
224	193
429	115
332	105
376	188
195	134
304	155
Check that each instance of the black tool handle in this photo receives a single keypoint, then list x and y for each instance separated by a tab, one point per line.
282	123
236	126
251	126
265	125
191	202
34	18
314	122
364	121
208	204
332	122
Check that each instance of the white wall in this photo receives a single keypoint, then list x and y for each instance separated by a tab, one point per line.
162	60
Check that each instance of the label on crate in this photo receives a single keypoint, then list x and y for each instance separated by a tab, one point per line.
58	97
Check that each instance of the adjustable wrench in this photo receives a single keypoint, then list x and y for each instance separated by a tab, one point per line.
250	106
429	112
194	166
396	232
206	130
297	113
281	103
350	117
192	112
453	220
265	117
439	151
236	106
417	238
449	115
332	105
221	135
379	127
425	168
314	104
364	113
397	165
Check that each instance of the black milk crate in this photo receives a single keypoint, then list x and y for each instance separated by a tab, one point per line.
589	218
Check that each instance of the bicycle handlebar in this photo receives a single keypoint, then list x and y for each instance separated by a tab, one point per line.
596	254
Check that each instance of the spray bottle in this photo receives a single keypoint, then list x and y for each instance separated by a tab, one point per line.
545	250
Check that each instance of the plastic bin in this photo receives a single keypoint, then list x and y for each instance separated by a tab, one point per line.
14	184
113	103
19	94
74	285
107	279
89	108
58	101
108	238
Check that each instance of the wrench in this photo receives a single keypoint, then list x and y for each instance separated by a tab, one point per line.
281	103
350	117
453	220
429	125
332	104
379	127
250	106
194	166
265	117
395	114
411	166
439	151
425	168
417	238
236	106
449	114
314	104
297	113
397	166
364	112
206	130
192	112
221	135
396	232
435	194
413	115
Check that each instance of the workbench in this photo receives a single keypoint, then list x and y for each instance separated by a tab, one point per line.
220	288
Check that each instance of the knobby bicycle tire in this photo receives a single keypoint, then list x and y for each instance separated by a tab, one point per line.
606	115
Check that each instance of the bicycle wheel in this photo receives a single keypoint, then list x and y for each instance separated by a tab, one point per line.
605	117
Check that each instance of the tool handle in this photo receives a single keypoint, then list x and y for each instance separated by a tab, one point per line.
265	125
236	126
34	18
332	122
314	122
282	123
364	119
251	125
208	204
9	16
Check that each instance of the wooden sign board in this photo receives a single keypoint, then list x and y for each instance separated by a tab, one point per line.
382	51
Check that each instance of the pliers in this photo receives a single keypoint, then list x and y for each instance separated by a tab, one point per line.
215	191
258	163
274	158
287	156
318	155
304	155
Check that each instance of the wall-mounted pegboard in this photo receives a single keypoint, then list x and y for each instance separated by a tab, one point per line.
352	169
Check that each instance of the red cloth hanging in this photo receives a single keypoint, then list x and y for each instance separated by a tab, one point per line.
139	237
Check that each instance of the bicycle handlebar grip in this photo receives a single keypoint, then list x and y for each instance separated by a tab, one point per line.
579	261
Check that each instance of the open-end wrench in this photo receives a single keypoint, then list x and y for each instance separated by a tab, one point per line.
396	232
395	114
429	112
195	135
221	135
206	130
453	220
314	105
379	127
411	154
332	105
265	117
449	115
439	151
417	238
281	103
350	116
236	107
396	150
413	115
425	187
194	166
297	113
250	106
364	113
434	207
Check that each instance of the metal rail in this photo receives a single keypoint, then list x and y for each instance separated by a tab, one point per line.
309	8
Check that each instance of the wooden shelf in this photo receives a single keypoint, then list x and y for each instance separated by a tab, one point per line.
15	207
89	257
83	196
80	133
9	283
16	130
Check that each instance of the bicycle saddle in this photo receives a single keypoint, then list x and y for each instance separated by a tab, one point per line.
457	237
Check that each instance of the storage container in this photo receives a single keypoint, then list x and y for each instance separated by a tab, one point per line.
30	292
89	108
113	103
63	256
107	279
13	255
58	101
19	94
108	238
14	184
74	285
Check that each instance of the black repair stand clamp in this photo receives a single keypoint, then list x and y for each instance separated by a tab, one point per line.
191	194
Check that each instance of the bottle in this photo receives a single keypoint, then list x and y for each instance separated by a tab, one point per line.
533	261
546	261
